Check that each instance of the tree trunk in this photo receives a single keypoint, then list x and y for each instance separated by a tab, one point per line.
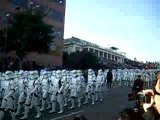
20	63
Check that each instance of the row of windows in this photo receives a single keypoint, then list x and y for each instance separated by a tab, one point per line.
110	57
101	54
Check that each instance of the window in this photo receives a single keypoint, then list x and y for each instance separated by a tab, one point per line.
116	58
23	3
91	50
77	48
96	52
112	57
56	15
109	56
101	53
60	2
105	55
85	49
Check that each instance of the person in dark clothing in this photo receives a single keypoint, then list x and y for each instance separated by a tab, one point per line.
109	79
138	85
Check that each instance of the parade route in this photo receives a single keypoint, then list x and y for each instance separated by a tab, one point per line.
68	115
114	101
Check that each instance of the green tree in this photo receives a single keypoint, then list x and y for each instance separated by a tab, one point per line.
27	32
80	60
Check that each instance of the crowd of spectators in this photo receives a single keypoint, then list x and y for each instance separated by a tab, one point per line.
130	64
14	64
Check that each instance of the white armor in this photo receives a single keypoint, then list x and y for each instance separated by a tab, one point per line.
57	92
45	90
32	95
23	84
79	87
73	88
9	102
90	89
66	80
99	84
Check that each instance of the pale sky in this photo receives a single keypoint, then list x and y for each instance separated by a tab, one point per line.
133	26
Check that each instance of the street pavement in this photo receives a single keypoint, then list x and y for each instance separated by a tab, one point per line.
114	101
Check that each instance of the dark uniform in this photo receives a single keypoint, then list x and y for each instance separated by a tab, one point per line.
109	79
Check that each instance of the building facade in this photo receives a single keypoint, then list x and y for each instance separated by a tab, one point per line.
74	44
54	15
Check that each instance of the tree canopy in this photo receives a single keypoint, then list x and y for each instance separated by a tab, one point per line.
80	60
27	32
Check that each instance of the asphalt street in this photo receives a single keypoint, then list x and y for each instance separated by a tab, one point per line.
114	101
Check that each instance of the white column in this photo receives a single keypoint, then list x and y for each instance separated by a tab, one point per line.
103	54
107	56
98	53
110	56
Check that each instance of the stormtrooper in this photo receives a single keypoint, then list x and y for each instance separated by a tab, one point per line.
73	88
90	89
8	102
32	95
66	80
83	84
119	77
99	85
79	87
57	92
114	77
45	90
23	83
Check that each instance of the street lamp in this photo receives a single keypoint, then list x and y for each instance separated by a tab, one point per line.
7	15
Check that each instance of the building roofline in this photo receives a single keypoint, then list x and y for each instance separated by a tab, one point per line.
91	45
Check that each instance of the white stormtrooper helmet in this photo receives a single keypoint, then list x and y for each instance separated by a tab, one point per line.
9	75
41	72
26	74
21	72
49	73
100	72
67	72
33	75
79	72
25	82
45	74
53	73
89	71
16	73
64	72
58	74
74	73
